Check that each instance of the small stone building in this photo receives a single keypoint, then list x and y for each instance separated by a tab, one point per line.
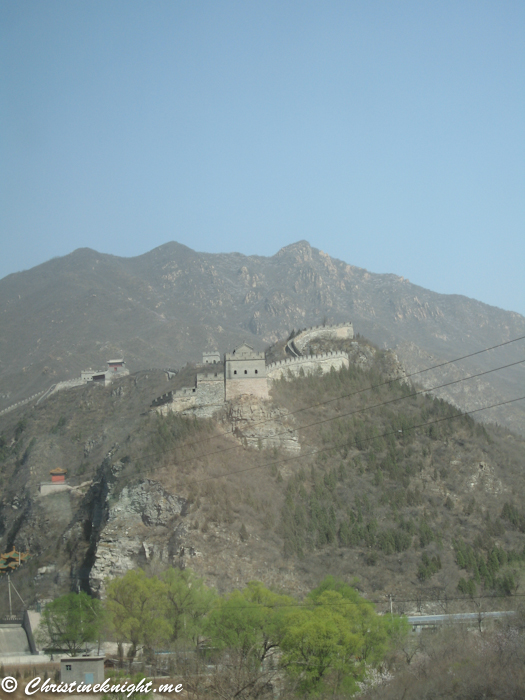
116	369
93	375
82	669
58	482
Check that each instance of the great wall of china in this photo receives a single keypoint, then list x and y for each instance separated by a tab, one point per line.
22	402
253	377
341	331
309	364
211	391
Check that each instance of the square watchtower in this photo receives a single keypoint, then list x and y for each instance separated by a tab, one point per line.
245	372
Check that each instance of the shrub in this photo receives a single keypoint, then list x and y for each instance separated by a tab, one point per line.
428	567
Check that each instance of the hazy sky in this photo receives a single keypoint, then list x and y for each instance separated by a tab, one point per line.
389	134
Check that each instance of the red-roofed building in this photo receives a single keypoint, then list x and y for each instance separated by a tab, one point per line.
58	475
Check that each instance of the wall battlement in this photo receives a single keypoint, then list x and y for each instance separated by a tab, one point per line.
215	377
22	402
326	328
246	373
161	400
307	364
185	391
244	354
305	358
342	331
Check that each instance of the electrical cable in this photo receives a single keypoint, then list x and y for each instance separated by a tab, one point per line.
305	603
393	432
327	420
421	601
347	444
375	386
361	391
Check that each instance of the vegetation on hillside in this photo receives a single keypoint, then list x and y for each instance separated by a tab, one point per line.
387	475
457	663
404	490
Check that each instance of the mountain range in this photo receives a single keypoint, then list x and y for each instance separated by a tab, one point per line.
164	308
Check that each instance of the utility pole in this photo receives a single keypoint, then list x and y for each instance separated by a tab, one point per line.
9	587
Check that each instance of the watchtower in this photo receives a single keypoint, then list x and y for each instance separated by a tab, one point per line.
245	373
211	358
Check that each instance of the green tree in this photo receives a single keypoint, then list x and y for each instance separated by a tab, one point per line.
188	602
329	640
320	648
251	620
71	622
137	606
246	628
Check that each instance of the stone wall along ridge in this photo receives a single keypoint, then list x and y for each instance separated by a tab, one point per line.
306	358
59	386
331	327
68	384
203	400
22	402
340	330
309	363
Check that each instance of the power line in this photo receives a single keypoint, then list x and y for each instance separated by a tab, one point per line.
347	444
340	415
312	603
374	386
356	393
437	599
392	432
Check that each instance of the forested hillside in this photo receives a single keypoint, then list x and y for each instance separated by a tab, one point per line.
391	485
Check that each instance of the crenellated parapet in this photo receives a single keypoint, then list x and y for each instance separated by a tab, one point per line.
332	326
22	402
340	331
246	374
210	377
305	358
203	399
162	400
185	391
310	364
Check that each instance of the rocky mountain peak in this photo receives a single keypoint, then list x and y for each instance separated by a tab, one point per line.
299	252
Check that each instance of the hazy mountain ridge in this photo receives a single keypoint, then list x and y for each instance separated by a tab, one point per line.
165	307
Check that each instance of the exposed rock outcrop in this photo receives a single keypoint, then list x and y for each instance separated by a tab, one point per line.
143	524
262	425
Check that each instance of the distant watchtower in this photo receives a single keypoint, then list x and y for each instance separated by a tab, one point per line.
211	358
245	373
117	366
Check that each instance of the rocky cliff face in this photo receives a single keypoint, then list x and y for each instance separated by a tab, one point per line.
144	525
262	425
117	528
250	494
